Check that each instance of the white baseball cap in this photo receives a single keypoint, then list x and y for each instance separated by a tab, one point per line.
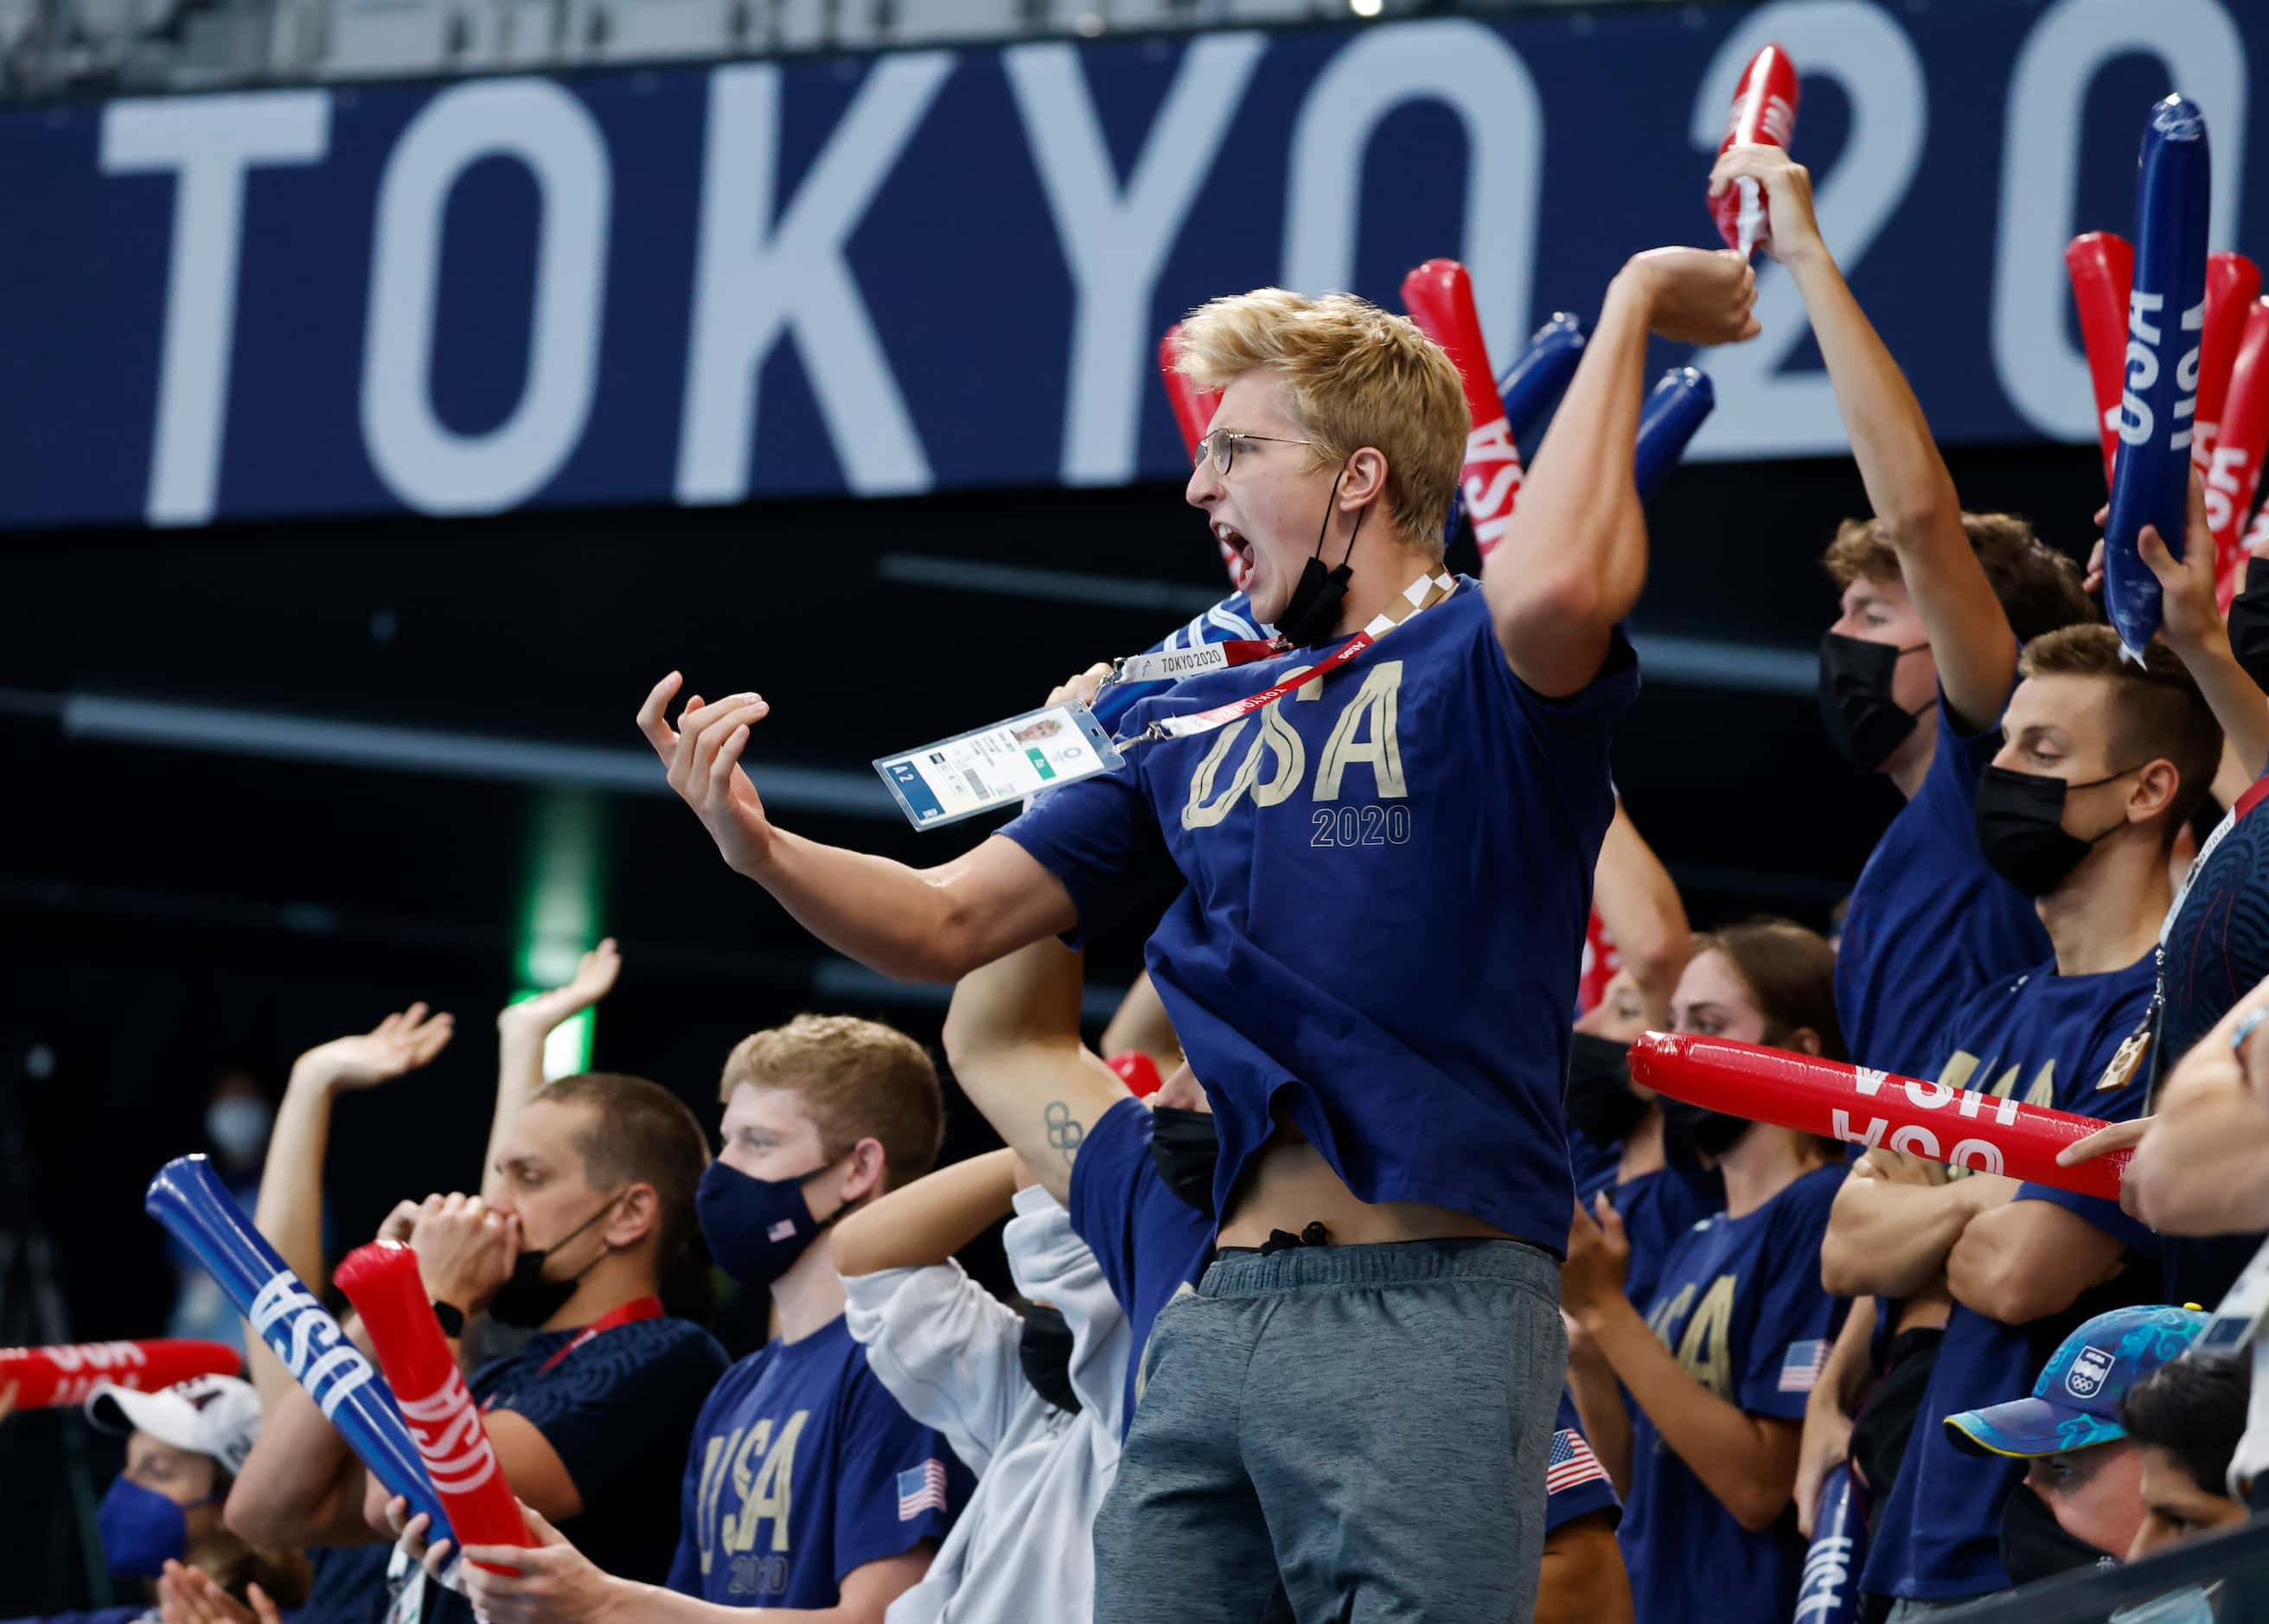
215	1415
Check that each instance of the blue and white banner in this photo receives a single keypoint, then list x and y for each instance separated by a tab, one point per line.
949	268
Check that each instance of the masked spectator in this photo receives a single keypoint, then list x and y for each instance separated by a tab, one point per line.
1718	1362
2082	1503
2102	759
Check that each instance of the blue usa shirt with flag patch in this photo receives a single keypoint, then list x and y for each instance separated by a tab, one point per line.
1739	1302
803	1469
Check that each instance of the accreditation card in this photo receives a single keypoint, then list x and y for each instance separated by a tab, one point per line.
999	765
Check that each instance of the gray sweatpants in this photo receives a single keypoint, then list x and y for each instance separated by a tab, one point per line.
1341	1434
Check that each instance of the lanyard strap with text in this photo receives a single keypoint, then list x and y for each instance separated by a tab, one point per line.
1423	593
629	1313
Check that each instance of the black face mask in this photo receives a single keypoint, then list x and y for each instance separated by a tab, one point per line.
2020	817
1710	1132
1863	721
1310	613
2249	622
1045	1351
1185	1150
1600	1105
2034	1546
527	1300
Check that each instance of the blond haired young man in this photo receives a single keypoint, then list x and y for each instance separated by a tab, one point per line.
1384	875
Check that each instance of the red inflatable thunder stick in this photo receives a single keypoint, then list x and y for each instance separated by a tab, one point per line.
1193	409
51	1377
1861	1106
2241	440
1764	111
2233	283
382	1282
1440	296
2101	265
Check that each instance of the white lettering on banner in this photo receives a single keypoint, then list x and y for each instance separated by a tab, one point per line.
1979	1155
546	129
329	1379
1916	1141
1868	1081
1488	501
209	143
1115	238
450	1436
2043	373
1839	1126
762	273
1473	71
98	1357
1762	411
2225	478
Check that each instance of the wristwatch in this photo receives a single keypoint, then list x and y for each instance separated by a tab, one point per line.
452	1318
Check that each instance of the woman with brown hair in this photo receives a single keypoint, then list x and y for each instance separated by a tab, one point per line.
1718	1363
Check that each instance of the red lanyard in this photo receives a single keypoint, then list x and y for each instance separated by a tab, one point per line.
629	1313
1427	590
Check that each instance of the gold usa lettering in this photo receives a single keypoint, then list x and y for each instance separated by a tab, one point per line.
1703	1351
1275	763
1961	1067
760	1468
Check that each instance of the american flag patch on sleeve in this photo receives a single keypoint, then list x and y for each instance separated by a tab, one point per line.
921	1488
1801	1369
1573	1462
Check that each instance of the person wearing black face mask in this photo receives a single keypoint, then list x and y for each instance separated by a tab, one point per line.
592	1209
1709	1458
2102	758
1032	1402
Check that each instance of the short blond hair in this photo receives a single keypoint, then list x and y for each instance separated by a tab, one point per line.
1358	377
858	1079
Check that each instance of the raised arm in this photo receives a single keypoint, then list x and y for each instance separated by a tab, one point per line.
521	1030
1889	1238
1638	903
1012	1039
929	1220
1572	563
914	923
1908	485
2194	627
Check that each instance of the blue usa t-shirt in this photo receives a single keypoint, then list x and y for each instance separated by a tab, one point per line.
1388	876
619	1412
1575	1484
1151	1243
2047	1039
1930	923
1739	1303
805	1469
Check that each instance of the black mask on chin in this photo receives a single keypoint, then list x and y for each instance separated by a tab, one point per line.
2034	1546
2020	818
1694	1129
1045	1351
1185	1150
1314	607
1863	720
1600	1105
527	1300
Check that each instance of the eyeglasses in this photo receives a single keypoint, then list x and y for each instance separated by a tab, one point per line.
1221	444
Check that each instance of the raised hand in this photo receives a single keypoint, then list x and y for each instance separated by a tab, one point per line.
188	1595
1599	1258
703	756
399	1044
1697	296
2189	615
1791	230
594	979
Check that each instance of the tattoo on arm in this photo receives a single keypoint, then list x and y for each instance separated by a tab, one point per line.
1064	1129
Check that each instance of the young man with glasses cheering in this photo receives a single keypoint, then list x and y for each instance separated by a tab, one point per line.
1382	839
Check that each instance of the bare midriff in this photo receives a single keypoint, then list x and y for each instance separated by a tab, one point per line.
1289	1186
